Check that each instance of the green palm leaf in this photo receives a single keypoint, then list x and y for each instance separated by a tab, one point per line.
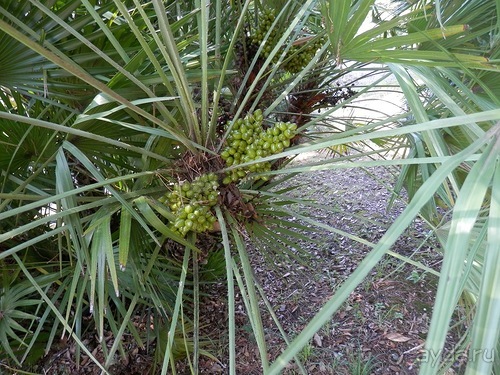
105	110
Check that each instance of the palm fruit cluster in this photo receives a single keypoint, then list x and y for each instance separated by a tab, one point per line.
265	21
297	57
301	55
248	141
191	203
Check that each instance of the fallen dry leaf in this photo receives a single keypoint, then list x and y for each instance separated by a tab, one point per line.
318	340
397	337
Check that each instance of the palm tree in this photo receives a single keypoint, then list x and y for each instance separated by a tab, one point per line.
138	135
